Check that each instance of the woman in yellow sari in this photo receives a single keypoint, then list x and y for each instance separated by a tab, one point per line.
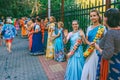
50	45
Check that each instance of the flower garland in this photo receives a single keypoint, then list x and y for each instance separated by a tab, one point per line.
97	37
78	42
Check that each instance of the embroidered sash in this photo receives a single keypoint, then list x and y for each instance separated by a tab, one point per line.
97	37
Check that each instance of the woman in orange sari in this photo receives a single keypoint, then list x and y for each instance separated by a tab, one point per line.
30	29
42	26
23	28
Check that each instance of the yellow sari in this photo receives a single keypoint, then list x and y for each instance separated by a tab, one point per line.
50	46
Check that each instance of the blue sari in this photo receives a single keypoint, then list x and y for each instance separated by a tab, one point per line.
59	47
114	67
91	62
76	61
92	34
37	46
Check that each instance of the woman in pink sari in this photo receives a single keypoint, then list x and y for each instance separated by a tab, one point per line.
30	29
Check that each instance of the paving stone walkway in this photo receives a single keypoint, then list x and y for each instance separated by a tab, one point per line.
19	65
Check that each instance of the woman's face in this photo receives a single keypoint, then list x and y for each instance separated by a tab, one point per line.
94	17
59	26
46	20
75	25
105	21
51	19
42	21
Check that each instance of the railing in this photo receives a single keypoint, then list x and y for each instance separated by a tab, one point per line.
80	12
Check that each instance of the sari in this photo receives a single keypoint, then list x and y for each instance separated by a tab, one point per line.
50	44
90	67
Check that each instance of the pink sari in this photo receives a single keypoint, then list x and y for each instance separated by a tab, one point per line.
30	40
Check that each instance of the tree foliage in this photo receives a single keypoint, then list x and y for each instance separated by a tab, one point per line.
16	8
19	8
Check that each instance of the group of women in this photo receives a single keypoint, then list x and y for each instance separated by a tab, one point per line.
101	59
35	37
55	45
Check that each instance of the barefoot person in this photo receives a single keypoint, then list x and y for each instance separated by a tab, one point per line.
8	32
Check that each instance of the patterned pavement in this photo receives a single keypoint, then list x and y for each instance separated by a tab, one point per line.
54	70
19	65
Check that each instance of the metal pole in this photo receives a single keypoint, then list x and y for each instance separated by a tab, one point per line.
108	2
62	9
49	8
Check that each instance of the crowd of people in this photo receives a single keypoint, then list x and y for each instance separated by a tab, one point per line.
101	59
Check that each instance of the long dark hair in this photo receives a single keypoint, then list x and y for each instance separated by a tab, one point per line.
113	17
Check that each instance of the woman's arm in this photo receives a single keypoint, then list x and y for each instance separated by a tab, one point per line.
37	29
108	48
56	36
65	40
85	41
66	37
98	48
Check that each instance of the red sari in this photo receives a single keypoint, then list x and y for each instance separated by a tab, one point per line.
30	39
42	31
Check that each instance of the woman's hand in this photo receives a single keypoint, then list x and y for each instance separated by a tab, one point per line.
29	33
51	39
69	55
82	34
92	44
65	33
98	48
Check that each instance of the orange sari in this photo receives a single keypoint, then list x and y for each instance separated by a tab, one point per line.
104	69
42	31
30	41
23	29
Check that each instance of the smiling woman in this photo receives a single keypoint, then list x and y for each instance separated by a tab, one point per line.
75	56
109	46
90	67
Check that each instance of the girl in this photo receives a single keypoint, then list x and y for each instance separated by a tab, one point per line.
59	45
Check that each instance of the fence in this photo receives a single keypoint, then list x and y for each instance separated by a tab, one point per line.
80	12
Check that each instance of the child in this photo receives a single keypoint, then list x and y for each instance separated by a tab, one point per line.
67	45
59	45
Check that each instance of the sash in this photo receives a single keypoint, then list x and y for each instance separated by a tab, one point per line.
97	37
